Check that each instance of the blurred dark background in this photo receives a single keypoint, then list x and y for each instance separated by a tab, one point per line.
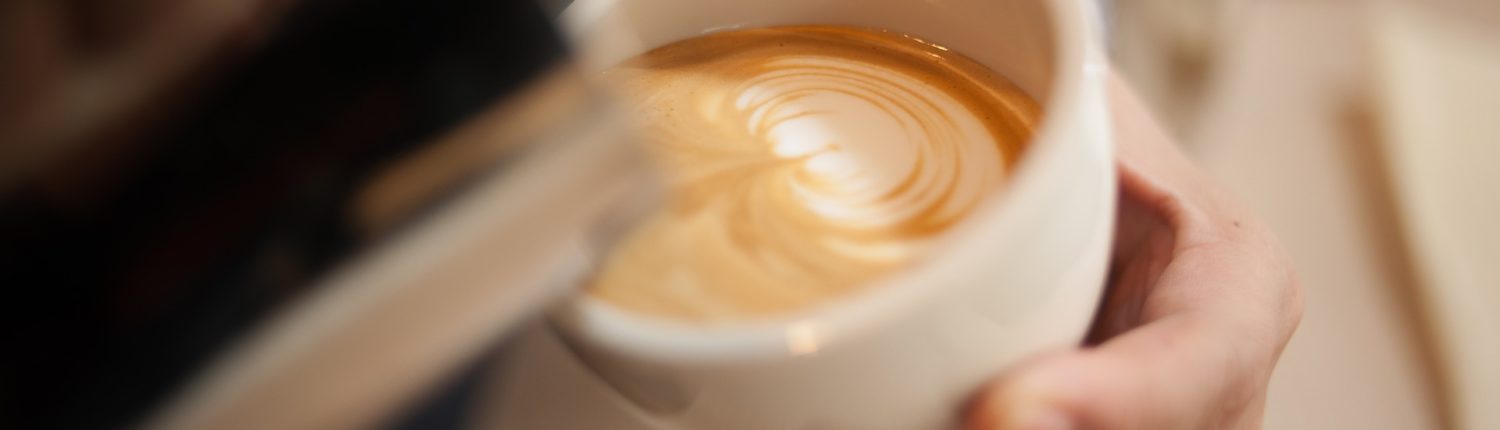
172	172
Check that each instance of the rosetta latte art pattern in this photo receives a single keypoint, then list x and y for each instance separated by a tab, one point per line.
804	162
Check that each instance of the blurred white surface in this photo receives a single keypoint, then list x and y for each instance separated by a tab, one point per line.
1438	86
1386	219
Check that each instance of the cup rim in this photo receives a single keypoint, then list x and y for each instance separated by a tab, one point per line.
806	332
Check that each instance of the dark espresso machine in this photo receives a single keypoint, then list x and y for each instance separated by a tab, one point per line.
331	212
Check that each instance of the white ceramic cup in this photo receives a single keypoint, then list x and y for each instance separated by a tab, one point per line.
1021	275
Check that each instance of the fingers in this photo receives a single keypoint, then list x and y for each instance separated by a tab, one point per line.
1175	374
1216	244
1144	244
1155	171
1201	358
1202	301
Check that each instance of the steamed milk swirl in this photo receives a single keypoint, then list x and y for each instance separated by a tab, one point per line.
803	163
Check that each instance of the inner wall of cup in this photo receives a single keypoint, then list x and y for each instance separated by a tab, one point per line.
1015	38
1012	37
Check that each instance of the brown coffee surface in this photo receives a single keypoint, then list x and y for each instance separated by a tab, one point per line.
802	164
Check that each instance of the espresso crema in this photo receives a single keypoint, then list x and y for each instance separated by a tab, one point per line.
804	163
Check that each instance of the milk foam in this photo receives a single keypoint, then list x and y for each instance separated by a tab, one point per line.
804	162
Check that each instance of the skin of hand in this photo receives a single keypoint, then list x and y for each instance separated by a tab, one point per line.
1202	299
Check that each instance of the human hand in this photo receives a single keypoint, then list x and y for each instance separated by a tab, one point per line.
1201	301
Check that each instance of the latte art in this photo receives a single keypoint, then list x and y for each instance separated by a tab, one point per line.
803	163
